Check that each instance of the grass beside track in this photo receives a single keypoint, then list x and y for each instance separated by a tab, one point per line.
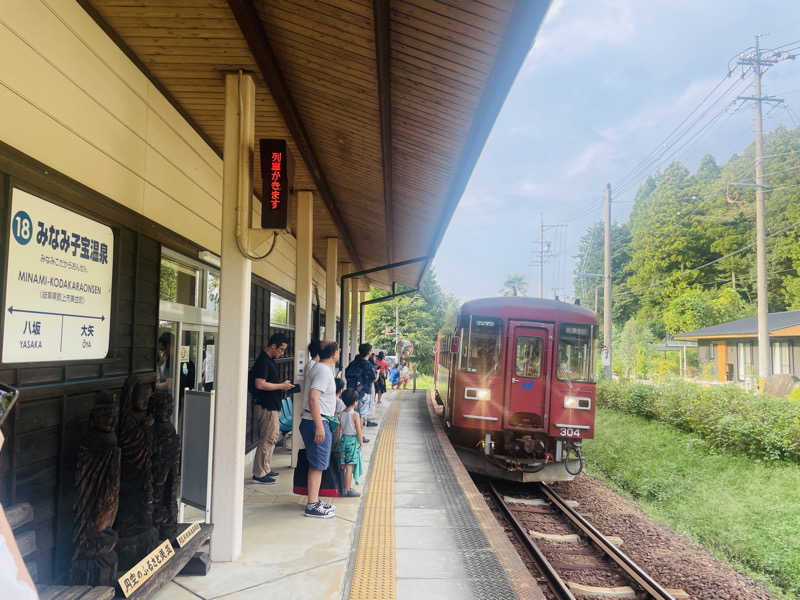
743	511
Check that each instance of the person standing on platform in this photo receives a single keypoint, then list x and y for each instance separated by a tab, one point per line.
361	374
394	376
269	390
404	374
383	373
315	429
350	443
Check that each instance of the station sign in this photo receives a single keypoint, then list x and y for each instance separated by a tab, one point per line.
58	284
275	177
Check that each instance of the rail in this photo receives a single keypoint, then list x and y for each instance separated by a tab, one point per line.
633	570
554	581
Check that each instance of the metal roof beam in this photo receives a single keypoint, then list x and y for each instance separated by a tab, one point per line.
252	28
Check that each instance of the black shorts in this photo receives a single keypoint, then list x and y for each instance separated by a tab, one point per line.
380	385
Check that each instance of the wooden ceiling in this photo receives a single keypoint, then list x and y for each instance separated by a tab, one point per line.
386	103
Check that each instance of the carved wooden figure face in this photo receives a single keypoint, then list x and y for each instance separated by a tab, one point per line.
105	413
161	406
141	397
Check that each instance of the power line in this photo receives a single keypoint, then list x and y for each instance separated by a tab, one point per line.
665	146
711	262
674	131
660	161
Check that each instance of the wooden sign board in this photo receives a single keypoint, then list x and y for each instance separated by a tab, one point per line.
146	568
187	534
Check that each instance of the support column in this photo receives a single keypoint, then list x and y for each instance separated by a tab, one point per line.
354	320
362	329
227	486
302	327
346	316
331	292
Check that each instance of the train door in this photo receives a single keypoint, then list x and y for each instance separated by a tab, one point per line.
527	382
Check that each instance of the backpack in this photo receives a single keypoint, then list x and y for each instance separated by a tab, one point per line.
353	375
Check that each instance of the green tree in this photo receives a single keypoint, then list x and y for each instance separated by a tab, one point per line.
590	263
514	284
635	341
422	315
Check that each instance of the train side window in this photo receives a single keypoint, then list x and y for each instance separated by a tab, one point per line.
480	345
529	356
575	344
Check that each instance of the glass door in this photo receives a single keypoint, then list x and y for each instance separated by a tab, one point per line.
208	376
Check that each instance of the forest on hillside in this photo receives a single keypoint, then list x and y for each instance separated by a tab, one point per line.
685	258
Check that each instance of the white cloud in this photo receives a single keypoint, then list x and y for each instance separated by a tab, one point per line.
579	29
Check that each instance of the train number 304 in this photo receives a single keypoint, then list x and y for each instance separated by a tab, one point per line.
570	433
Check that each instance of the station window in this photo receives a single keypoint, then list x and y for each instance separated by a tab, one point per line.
281	312
575	344
529	356
179	283
481	343
212	291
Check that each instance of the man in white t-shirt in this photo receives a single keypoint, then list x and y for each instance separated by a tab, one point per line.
319	406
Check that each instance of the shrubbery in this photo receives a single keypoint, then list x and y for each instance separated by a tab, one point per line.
727	417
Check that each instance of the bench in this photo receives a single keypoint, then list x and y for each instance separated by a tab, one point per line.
20	515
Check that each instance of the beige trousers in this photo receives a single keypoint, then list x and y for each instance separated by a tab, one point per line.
268	422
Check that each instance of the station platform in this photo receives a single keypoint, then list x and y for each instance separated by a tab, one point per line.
420	529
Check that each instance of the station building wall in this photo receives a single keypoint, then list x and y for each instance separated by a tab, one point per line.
71	99
82	127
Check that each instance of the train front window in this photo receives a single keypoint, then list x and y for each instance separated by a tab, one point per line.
529	356
481	342
575	352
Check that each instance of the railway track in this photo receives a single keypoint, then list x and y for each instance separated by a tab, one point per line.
646	586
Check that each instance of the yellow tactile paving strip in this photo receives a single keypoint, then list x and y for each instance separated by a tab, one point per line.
374	574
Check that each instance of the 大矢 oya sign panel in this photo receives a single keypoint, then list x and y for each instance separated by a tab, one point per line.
58	284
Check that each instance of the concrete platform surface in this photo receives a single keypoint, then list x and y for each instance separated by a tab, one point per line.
284	554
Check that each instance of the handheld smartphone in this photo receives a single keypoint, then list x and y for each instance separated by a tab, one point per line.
295	389
8	396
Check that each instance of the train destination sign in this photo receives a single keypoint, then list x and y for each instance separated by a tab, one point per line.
58	284
275	179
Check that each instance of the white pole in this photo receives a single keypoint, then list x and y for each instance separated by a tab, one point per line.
227	485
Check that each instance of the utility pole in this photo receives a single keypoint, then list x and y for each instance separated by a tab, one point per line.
764	355
760	60
544	250
541	255
607	283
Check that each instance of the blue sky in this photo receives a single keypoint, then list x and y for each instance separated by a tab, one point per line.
604	84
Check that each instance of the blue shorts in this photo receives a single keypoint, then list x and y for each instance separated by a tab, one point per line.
318	455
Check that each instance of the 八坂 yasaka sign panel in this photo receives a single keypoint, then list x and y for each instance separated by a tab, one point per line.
58	284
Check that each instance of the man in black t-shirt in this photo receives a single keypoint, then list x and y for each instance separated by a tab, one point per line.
268	395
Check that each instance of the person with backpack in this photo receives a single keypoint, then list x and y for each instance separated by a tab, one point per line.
361	374
264	381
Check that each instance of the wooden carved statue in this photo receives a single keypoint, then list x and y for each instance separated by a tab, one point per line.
137	535
166	460
97	476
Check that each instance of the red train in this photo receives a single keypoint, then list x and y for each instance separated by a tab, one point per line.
516	379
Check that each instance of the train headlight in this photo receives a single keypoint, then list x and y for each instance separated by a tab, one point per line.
471	393
577	402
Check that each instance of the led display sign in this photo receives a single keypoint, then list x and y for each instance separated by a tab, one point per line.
275	178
